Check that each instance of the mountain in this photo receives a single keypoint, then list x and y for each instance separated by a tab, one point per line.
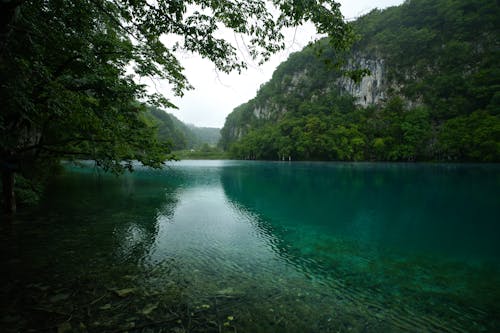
422	82
208	135
181	135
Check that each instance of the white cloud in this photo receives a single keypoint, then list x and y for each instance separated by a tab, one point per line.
217	94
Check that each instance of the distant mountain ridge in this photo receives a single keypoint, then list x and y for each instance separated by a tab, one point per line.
432	92
206	135
182	136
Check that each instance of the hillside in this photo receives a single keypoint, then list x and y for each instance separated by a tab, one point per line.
206	135
431	92
182	136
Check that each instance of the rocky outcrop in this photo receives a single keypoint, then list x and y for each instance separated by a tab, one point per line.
373	87
262	112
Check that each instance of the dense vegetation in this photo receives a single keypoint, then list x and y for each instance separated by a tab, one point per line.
69	72
442	92
205	152
205	135
180	135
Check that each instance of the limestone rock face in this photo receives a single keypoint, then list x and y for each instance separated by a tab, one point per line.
373	88
262	112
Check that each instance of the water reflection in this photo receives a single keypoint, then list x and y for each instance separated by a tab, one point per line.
217	244
279	246
396	237
414	208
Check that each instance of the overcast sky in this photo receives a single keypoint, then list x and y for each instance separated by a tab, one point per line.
217	94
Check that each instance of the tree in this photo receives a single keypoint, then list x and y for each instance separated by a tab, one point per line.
475	137
69	70
441	84
416	129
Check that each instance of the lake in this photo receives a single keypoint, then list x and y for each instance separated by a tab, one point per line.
245	246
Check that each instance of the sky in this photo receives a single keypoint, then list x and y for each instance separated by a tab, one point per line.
216	94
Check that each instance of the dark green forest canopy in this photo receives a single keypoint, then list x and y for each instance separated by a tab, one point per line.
69	70
442	97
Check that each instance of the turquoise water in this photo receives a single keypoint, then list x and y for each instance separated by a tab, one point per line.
229	246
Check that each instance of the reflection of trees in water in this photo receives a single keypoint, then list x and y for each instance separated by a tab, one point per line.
97	233
86	249
297	198
378	206
87	222
360	230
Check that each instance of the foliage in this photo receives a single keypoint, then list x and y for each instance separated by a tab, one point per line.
357	135
171	129
475	137
440	52
442	92
69	69
206	135
180	135
205	152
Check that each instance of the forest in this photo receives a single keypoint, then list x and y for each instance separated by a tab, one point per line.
71	74
441	88
103	230
178	134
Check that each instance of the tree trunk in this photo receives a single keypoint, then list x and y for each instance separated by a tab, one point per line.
9	199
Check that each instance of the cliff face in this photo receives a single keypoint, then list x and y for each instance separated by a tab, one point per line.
431	79
373	87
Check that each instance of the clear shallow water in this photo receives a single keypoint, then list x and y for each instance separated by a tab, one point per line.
259	247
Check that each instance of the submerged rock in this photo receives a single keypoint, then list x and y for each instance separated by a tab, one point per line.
58	298
125	292
64	328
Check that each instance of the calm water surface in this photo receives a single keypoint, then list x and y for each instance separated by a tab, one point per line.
227	246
